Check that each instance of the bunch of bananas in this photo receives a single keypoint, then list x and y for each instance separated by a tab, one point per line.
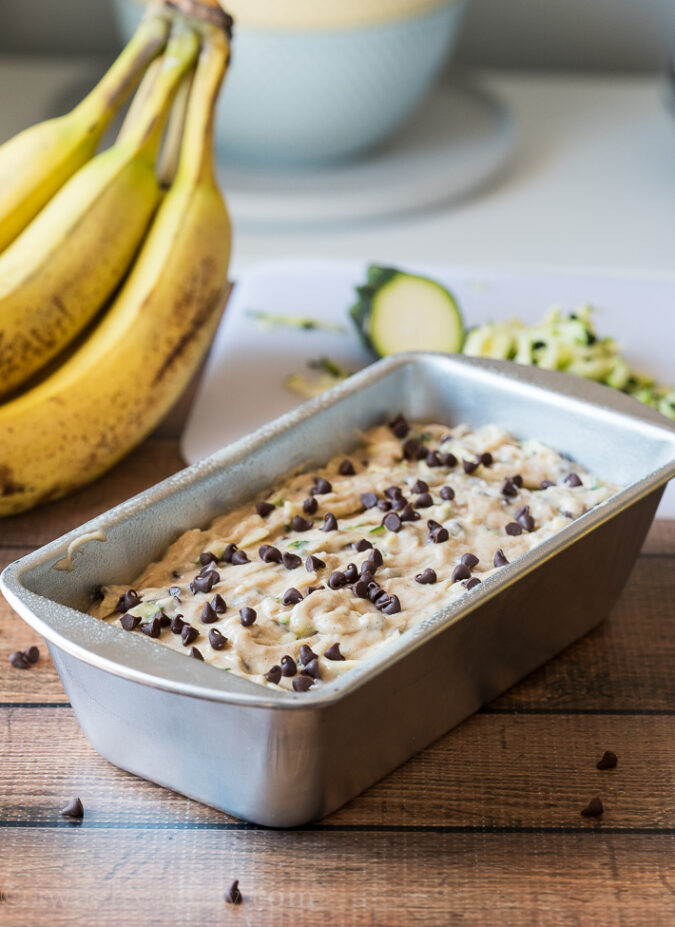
113	266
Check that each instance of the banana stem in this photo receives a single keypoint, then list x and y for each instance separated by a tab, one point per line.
168	163
147	42
139	100
196	156
145	131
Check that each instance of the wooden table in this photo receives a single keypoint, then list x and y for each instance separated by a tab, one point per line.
481	828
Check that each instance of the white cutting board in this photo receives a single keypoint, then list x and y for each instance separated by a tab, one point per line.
243	385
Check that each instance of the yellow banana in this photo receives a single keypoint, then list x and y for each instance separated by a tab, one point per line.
61	270
114	389
38	161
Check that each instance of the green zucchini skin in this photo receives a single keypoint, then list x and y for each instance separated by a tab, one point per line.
374	297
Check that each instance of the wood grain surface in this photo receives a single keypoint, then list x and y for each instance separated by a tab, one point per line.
483	827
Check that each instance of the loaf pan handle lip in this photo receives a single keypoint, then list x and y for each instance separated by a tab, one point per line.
219	686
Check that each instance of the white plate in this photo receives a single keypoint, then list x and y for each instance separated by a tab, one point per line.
457	141
243	385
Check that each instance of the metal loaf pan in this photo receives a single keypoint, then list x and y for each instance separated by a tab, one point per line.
285	758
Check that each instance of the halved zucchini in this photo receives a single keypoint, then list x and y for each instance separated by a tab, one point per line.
398	312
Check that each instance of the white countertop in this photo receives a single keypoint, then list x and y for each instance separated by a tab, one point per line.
592	184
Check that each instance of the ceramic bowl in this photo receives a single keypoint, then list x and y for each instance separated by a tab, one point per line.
310	95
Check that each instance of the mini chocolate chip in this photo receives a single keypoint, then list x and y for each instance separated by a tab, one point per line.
175	591
392	522
513	528
337	580
205	582
545	484
419	486
392	606
508	489
368	500
175	574
572	479
151	628
310	505
440	535
207	557
500	559
130	622
291	597
461	571
228	552
218	603
329	522
399	503
208	615
423	501
18	660
449	460
471	583
247	616
608	760
524	518
32	654
216	639
321	487
311	589
362	545
368	568
346	468
130	599
239	557
447	493
74	809
410	448
312	669
517	480
593	809
188	634
307	654
360	589
400	426
376	557
384	505
233	895
196	653
470	560
164	620
421	452
302	683
333	652
264	508
408	513
380	598
351	573
301	524
269	554
486	459
374	591
393	492
433	459
288	666
177	624
314	564
468	466
427	578
433	525
291	561
273	674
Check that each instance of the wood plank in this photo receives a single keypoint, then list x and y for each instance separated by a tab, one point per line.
624	665
75	877
526	771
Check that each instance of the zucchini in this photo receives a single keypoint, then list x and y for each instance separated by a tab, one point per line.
398	312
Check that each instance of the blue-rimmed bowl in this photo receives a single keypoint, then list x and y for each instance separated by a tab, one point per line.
301	96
